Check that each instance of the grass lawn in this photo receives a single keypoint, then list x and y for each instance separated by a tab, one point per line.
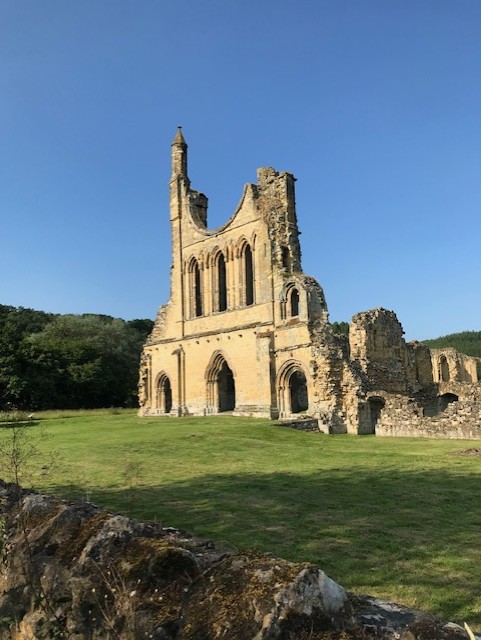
398	518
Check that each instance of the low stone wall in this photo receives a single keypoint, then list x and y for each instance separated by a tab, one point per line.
71	570
460	420
311	425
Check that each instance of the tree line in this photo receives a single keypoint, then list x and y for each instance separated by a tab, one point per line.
53	361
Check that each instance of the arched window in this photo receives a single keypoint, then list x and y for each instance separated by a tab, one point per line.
444	369
294	300
221	284
195	289
248	276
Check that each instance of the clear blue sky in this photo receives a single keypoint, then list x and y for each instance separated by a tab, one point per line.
374	105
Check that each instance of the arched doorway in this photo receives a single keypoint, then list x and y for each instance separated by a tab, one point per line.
225	388
164	394
292	390
298	392
376	405
220	380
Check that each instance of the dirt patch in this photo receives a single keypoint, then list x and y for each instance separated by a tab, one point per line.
471	451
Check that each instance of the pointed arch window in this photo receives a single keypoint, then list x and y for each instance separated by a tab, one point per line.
248	276
221	283
294	303
195	290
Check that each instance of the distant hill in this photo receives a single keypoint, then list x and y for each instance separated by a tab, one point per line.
468	342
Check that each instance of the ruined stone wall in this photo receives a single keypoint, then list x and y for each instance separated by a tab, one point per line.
464	390
448	364
379	350
403	417
423	363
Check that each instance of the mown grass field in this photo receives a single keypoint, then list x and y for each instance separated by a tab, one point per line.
395	518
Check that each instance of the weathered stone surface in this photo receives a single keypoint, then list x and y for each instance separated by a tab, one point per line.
71	570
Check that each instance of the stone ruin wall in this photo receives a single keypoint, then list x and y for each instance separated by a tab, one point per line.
379	350
448	364
404	391
459	420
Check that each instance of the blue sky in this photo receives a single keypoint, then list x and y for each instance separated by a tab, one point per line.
374	105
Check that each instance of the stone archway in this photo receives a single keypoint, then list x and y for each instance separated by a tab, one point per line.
164	394
298	392
221	395
445	400
292	390
225	388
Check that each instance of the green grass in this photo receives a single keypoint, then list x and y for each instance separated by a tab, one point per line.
397	518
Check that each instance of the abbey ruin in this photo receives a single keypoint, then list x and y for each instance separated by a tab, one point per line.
246	331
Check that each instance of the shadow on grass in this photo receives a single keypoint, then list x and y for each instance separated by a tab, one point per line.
413	533
11	424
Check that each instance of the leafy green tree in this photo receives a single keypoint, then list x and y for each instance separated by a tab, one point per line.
87	361
68	361
15	325
340	328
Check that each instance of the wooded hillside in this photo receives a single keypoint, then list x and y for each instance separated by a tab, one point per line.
51	361
468	342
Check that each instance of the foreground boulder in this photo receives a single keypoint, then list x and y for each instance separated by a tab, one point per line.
72	570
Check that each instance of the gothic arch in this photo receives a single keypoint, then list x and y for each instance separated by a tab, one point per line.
245	256
195	289
291	305
293	382
220	385
219	281
163	393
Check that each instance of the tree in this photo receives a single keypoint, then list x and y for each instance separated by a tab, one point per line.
341	328
15	326
68	361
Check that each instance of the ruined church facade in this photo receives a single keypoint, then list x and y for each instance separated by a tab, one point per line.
246	331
